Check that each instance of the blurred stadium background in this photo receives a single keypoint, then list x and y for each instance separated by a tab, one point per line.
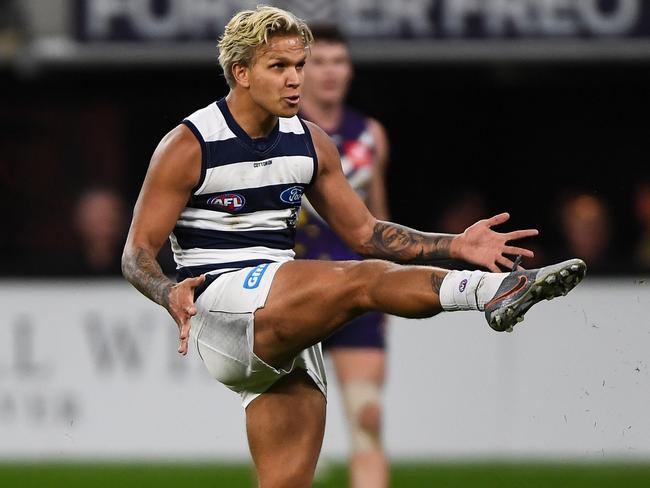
537	107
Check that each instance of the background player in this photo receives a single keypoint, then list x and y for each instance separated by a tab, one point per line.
357	350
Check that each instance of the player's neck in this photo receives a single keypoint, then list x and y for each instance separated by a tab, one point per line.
252	118
326	116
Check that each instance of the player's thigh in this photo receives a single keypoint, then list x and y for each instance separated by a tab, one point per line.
285	427
307	302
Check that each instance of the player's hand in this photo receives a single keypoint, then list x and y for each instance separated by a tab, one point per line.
481	245
181	307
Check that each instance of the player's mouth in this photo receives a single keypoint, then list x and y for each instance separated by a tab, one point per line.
293	100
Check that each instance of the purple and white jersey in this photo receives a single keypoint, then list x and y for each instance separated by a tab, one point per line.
357	148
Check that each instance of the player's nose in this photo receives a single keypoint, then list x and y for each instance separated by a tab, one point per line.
293	78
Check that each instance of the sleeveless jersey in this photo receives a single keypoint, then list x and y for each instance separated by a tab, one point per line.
244	209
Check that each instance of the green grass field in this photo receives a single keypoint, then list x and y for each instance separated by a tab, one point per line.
448	475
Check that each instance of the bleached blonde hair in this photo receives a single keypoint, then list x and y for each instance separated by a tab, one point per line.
249	29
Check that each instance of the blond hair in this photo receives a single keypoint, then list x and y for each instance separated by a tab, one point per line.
248	29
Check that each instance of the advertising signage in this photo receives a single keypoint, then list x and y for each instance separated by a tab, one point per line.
203	20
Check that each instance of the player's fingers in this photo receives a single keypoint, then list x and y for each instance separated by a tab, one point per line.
184	335
185	330
503	261
182	347
520	234
494	268
526	253
196	281
498	219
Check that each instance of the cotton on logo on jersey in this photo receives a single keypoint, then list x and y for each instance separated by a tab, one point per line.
231	202
462	285
292	195
254	276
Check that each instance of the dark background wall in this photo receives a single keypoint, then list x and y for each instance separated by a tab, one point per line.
520	134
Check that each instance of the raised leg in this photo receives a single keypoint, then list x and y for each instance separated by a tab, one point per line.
309	300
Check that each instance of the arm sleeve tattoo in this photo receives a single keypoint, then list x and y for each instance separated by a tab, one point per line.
397	243
142	270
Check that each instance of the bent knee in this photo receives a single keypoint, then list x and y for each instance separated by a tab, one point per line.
369	418
363	409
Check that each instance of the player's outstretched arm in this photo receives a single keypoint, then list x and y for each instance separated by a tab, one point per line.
344	211
478	244
174	170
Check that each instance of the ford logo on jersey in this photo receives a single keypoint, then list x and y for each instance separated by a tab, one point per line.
254	276
292	195
232	202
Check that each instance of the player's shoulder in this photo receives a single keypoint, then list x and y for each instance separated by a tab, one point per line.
177	160
179	141
318	135
203	115
375	133
326	150
376	127
209	124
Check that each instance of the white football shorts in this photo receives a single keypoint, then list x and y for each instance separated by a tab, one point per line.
222	331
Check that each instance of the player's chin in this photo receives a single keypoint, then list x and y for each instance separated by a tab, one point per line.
288	109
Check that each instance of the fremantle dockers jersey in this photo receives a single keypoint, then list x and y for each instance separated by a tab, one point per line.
244	209
357	148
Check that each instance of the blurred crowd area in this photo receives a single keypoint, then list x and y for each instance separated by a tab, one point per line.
74	148
561	146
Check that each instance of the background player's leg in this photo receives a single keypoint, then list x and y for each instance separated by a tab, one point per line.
359	370
285	427
309	300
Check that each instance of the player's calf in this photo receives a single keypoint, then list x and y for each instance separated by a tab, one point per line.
405	291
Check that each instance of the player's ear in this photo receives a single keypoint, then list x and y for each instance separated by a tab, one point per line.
241	74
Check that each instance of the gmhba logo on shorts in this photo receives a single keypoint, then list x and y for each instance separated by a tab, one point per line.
254	276
230	202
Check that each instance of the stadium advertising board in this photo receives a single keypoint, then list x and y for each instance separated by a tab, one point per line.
191	20
90	370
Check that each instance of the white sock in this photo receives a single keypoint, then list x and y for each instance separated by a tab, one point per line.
469	290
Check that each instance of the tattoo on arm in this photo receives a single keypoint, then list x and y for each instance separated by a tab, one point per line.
436	282
140	268
398	243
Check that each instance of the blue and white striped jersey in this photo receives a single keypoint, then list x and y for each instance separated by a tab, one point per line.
244	209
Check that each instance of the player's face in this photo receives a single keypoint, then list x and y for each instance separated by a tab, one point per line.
328	72
276	75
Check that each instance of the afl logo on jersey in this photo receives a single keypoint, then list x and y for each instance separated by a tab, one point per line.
292	195
230	202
